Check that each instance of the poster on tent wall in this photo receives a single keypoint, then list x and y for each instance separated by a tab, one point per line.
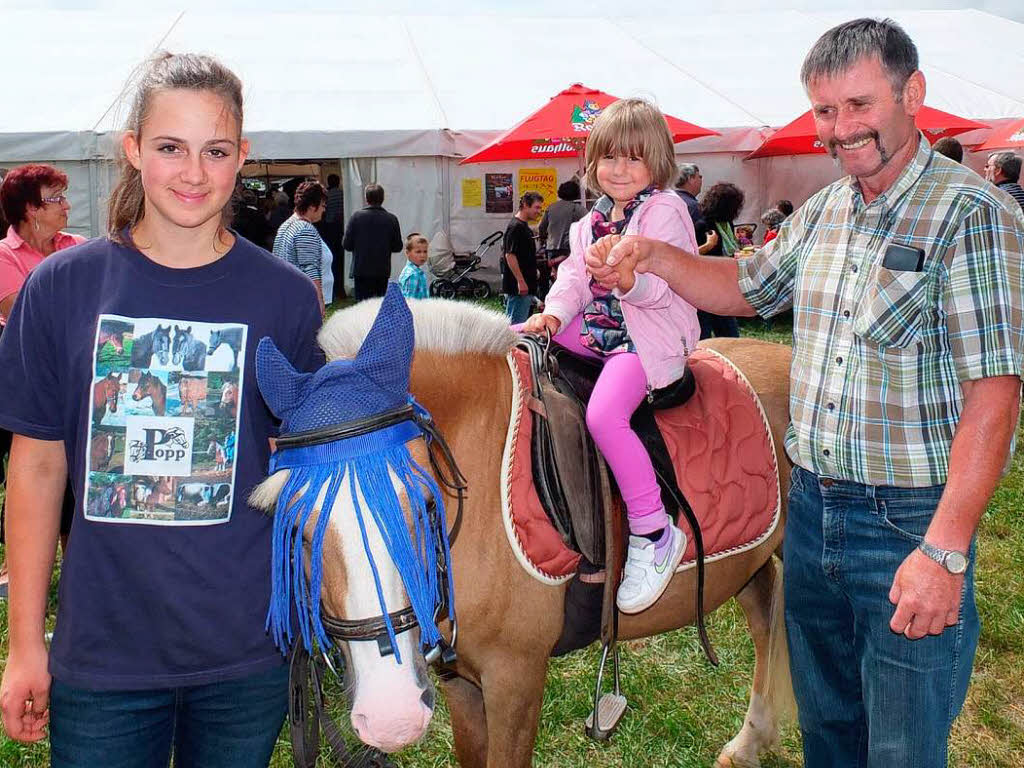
472	193
542	180
499	192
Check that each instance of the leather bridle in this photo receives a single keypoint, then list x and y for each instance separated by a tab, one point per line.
306	672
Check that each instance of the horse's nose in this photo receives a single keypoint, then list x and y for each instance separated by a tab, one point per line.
390	728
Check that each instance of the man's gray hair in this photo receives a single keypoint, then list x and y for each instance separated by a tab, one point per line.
844	46
1008	163
686	172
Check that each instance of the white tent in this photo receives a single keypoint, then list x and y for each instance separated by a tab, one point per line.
400	99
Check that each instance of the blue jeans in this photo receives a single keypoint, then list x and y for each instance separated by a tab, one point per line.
518	308
867	697
233	724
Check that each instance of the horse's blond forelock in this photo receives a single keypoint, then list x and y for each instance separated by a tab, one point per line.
264	496
443	326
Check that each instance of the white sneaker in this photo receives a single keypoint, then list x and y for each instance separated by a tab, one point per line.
644	580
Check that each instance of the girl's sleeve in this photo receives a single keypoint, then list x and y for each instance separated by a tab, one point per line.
669	224
569	295
30	385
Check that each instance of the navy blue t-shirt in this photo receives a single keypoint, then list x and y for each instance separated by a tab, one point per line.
147	374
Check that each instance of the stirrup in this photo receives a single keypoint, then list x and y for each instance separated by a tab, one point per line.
608	707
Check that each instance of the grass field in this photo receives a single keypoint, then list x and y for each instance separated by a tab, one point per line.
682	711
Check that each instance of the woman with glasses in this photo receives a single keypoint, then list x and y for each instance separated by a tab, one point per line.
34	202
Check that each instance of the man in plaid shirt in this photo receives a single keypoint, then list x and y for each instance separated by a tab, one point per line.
906	283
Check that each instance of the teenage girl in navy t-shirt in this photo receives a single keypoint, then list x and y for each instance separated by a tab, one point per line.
128	365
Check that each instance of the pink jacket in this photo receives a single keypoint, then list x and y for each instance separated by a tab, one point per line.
663	326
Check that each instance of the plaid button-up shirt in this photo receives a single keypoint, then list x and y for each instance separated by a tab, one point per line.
879	354
413	282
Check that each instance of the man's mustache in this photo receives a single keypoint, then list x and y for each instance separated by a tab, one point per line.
833	145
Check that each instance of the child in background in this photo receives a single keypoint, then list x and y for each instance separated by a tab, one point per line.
772	220
642	332
413	280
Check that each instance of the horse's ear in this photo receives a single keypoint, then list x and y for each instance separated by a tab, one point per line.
391	338
282	386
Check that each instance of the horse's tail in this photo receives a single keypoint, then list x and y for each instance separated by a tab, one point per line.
779	683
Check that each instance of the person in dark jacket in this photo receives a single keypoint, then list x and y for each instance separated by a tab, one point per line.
554	233
372	235
720	206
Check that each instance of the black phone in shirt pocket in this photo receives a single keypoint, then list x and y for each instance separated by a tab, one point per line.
903	258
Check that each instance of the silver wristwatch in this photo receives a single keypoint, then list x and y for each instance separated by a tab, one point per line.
953	561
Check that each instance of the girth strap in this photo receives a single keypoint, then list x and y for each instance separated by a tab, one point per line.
647	430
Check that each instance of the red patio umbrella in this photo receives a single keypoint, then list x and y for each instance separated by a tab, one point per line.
561	127
1009	136
800	137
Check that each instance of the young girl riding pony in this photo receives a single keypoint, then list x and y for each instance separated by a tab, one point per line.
641	331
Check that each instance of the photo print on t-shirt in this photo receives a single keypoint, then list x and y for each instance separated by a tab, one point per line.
164	421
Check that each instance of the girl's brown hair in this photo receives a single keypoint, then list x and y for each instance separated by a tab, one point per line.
166	72
632	127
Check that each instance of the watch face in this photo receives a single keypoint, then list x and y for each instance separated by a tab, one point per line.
956	562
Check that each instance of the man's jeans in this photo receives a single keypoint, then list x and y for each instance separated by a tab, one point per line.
867	696
518	308
233	724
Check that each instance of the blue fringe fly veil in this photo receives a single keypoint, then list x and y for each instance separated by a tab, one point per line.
375	381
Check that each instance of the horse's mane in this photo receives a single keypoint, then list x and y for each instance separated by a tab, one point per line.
443	326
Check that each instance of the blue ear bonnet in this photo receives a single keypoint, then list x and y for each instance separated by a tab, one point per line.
375	382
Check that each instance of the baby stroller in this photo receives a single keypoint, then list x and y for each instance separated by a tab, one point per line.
452	270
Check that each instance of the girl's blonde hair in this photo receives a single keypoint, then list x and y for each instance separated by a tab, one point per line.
413	239
165	72
633	127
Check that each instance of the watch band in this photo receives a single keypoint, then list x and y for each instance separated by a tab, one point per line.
952	560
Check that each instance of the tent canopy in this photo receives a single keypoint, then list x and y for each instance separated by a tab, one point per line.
334	85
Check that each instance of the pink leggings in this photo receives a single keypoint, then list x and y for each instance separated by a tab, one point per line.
621	387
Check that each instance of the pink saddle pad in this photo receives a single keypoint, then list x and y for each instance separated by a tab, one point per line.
723	453
724	456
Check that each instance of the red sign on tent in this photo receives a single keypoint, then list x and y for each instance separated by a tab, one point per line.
1009	136
800	137
561	127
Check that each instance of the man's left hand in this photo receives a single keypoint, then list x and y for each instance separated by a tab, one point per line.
926	596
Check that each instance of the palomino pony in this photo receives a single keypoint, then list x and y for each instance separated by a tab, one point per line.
508	622
229	399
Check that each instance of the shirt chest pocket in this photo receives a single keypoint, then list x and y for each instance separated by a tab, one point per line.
894	308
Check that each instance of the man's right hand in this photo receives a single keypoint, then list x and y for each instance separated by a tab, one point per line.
524	289
25	693
541	323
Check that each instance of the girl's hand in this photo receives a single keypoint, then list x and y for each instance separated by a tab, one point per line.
596	258
25	693
540	323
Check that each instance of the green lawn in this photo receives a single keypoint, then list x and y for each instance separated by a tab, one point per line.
682	711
